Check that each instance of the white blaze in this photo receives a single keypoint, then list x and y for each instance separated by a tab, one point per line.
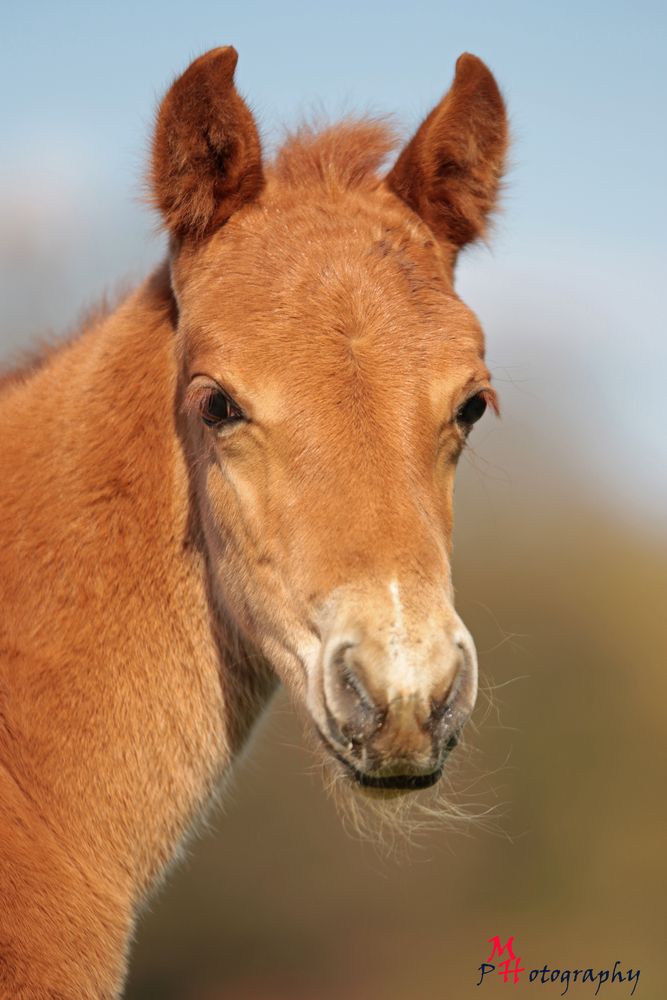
404	677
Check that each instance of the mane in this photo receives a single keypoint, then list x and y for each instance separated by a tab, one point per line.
349	153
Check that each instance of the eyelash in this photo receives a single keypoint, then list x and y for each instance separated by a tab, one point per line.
213	405
472	409
216	408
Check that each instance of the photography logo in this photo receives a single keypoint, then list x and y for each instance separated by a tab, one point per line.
503	962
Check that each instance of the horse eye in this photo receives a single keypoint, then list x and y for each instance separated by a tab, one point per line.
472	410
217	409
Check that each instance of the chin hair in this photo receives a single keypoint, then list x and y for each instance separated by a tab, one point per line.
398	821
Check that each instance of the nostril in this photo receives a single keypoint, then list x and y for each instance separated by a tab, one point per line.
452	742
442	708
444	725
351	710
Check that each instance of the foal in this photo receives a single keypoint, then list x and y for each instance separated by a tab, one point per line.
244	473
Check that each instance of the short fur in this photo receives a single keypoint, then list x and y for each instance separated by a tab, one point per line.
157	579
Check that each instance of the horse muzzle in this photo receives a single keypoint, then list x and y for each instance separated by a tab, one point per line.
390	695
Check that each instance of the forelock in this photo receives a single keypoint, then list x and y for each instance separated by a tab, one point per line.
348	154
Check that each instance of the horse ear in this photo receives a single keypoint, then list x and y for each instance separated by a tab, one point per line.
450	171
206	157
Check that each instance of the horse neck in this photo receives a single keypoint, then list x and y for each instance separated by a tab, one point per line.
123	708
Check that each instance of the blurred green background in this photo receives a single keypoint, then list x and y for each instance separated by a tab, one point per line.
561	541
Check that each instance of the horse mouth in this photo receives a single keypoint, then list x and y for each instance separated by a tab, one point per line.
395	782
411	782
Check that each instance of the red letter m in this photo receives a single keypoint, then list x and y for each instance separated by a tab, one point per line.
500	949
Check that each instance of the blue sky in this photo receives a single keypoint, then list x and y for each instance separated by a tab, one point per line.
571	291
585	84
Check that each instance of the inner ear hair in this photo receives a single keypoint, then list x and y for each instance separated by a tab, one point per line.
206	156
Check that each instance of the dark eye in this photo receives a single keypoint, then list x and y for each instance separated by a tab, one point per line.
472	410
217	409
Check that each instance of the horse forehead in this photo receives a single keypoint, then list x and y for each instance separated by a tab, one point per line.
359	293
341	342
321	247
